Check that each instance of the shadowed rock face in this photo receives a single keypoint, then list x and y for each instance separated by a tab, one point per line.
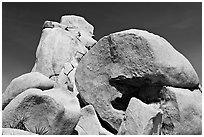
140	88
127	64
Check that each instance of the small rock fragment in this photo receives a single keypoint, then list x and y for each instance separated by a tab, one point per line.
52	24
139	119
89	123
182	111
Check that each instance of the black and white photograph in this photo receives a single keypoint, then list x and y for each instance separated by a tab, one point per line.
101	68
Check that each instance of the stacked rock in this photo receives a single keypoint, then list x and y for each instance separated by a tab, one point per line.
128	83
61	47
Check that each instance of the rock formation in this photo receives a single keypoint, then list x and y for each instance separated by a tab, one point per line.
60	44
24	82
54	111
127	64
128	83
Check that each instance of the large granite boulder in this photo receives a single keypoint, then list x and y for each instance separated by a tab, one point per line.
126	64
54	112
24	82
182	111
140	119
89	124
61	43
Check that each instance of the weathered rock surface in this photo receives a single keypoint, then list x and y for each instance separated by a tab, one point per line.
11	131
182	111
53	111
56	47
81	27
24	82
132	63
66	77
77	23
140	119
62	43
89	123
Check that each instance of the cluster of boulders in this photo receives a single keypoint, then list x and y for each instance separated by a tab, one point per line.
128	83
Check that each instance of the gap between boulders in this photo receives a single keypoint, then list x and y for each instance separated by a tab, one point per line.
141	88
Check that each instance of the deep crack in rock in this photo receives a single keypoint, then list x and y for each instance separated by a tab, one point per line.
54	75
106	125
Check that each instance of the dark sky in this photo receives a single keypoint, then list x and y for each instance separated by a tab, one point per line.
179	23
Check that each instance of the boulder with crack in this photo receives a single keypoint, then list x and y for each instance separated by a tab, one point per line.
182	111
66	77
24	82
62	43
140	119
52	112
126	64
89	124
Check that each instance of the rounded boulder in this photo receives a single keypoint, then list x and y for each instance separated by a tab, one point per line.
126	64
